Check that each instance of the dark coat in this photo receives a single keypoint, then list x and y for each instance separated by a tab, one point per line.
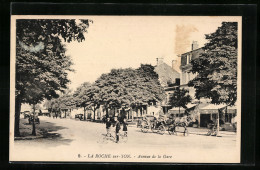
108	124
125	126
117	125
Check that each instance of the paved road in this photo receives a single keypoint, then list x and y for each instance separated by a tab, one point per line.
74	140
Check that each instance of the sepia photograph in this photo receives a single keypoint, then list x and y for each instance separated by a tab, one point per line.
151	89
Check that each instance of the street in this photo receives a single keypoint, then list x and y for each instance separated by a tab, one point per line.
74	140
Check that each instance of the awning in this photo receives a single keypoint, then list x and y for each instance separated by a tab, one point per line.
176	110
166	105
211	108
231	109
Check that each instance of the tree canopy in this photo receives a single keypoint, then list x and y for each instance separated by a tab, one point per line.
180	98
130	87
216	67
42	65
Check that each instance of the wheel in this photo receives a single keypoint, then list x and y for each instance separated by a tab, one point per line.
171	130
161	129
209	133
153	129
145	129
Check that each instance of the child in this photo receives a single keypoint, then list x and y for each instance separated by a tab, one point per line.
108	125
125	127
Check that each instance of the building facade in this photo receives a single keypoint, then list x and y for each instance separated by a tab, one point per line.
204	111
185	67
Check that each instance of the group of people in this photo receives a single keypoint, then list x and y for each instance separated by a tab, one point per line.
116	123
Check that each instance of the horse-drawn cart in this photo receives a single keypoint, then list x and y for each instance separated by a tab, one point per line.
156	126
173	124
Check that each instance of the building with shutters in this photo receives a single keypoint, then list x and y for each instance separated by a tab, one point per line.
204	110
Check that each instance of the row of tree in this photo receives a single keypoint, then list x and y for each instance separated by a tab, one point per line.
120	88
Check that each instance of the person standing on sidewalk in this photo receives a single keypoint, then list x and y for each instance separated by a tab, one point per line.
125	127
117	125
108	125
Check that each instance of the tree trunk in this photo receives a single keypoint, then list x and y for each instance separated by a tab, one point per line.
65	114
217	123
94	110
33	122
33	126
17	116
106	112
84	113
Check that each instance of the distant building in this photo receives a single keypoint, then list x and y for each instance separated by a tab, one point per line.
169	78
167	74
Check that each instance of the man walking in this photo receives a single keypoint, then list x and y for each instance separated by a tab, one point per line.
125	127
108	125
117	125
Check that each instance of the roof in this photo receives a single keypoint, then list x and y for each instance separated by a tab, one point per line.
177	108
166	73
191	105
190	51
231	107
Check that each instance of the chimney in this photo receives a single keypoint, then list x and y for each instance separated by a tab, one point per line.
194	45
159	61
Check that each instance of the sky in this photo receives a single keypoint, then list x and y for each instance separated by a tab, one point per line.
128	41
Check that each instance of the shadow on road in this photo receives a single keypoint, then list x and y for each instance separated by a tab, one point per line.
47	133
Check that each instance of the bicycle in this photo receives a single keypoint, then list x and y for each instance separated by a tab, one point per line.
213	130
109	137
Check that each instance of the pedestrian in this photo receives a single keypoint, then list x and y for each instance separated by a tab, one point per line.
125	127
117	125
108	125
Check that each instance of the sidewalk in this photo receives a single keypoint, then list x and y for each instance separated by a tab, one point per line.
204	131
26	130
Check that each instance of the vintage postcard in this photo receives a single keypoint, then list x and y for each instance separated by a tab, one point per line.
156	89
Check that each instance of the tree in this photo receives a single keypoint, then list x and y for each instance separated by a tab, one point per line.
216	67
129	87
179	98
66	102
87	96
41	62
